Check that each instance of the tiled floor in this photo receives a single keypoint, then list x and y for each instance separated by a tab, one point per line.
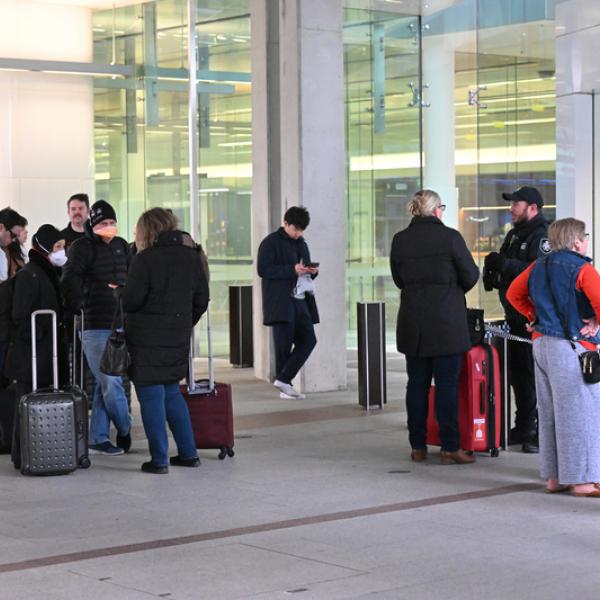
320	502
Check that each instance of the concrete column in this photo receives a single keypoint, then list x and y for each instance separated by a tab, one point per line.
46	120
266	160
439	171
311	156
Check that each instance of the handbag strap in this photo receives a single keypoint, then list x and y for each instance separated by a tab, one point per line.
556	309
118	322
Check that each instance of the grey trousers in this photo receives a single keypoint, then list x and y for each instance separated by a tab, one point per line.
568	414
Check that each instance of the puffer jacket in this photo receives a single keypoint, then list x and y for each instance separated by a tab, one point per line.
165	296
91	266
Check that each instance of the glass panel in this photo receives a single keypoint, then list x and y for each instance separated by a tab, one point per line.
381	55
142	129
517	121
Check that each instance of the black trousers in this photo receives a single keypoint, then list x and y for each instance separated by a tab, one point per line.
446	371
522	379
294	341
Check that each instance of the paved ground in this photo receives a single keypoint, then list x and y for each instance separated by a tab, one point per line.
320	502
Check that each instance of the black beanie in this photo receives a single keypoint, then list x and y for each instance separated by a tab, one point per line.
45	237
100	211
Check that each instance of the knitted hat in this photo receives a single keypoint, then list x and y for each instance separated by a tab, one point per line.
100	211
45	237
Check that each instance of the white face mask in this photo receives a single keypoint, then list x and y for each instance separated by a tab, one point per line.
58	259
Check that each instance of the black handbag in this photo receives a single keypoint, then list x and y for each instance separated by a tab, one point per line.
476	325
115	358
589	361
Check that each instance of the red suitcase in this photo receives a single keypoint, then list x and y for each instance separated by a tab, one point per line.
210	406
479	406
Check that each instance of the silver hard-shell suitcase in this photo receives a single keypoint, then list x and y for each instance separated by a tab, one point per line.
48	419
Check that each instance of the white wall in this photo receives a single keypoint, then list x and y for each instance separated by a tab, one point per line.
46	120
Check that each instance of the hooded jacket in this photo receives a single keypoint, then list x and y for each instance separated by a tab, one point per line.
165	296
36	287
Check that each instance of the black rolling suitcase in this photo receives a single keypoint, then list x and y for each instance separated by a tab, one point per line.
52	423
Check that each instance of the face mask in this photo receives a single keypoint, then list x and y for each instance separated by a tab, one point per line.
58	259
107	233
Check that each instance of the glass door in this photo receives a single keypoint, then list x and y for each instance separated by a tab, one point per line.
383	136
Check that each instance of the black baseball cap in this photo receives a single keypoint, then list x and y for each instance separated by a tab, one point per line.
525	194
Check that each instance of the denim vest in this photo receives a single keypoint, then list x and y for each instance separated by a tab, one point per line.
563	267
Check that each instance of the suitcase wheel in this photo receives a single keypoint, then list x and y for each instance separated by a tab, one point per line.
85	462
222	453
494	452
230	452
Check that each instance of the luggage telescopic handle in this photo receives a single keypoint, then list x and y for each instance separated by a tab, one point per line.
194	387
75	329
34	365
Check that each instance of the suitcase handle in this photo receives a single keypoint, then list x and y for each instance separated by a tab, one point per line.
34	365
192	385
75	330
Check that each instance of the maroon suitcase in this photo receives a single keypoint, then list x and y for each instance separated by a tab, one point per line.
211	413
209	404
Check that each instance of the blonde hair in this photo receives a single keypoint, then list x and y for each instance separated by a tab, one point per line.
151	224
423	203
563	233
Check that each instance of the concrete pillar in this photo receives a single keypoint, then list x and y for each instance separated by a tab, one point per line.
46	120
312	165
266	160
439	172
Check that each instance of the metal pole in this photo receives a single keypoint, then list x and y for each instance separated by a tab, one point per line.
193	120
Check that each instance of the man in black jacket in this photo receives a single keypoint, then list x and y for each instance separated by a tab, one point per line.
78	209
526	241
289	305
98	264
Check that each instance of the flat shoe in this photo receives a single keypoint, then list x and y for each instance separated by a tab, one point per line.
418	454
595	493
460	457
558	490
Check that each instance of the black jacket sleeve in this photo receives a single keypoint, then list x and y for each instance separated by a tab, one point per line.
73	275
200	295
266	265
466	269
394	266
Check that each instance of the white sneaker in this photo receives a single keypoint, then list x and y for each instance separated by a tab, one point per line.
287	389
287	397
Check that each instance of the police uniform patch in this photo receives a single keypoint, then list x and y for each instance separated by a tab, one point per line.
545	246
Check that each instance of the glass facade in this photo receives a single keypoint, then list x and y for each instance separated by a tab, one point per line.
495	104
501	98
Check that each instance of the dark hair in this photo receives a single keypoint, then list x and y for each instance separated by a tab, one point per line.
80	198
11	218
16	256
297	216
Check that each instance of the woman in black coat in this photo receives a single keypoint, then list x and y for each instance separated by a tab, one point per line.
36	287
432	266
165	296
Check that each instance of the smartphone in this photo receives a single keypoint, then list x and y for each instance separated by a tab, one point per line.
313	265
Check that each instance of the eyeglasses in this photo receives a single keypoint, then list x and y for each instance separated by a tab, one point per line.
442	207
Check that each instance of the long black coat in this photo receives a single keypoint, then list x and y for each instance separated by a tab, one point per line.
166	294
278	254
36	288
432	266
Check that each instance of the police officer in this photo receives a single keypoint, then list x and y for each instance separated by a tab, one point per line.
526	241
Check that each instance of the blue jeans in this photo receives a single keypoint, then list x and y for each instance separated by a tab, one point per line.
446	372
109	402
160	404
